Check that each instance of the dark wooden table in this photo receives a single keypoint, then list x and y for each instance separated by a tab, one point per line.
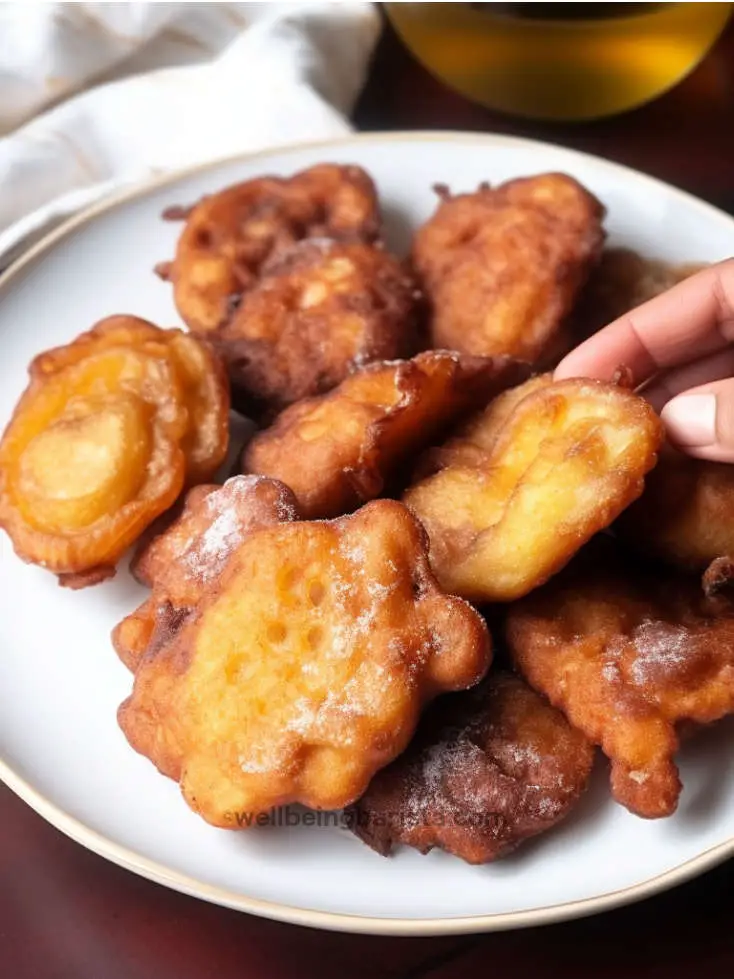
685	137
67	914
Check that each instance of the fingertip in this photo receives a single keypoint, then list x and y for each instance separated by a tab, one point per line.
700	422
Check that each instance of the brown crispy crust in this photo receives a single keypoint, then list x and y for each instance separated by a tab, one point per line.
501	267
486	770
718	579
320	311
629	654
83	579
370	425
685	517
231	234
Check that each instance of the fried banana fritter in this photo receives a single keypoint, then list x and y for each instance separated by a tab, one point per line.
526	483
621	281
486	770
320	311
304	668
628	654
501	268
685	517
200	381
105	436
230	235
179	563
477	436
337	451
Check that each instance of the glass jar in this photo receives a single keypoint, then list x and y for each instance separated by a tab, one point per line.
560	60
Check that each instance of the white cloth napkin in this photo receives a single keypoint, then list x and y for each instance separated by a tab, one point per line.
94	96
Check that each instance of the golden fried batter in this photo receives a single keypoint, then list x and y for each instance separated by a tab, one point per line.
477	436
108	431
337	451
685	517
231	234
486	770
320	311
513	503
304	669
502	267
620	282
628	654
192	553
200	376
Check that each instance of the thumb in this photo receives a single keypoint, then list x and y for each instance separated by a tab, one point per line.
700	421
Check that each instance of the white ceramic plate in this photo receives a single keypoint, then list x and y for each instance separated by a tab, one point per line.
60	681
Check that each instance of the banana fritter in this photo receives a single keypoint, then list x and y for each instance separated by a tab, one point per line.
179	563
320	311
230	235
304	668
685	517
107	433
486	770
628	654
337	451
502	267
526	483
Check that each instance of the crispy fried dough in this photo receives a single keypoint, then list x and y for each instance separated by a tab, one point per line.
320	311
337	451
501	268
192	553
486	770
685	517
231	234
628	654
525	484
200	373
304	668
109	429
476	438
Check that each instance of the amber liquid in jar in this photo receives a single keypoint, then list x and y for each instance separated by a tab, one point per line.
560	60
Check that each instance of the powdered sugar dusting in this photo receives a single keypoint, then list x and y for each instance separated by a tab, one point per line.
661	647
524	754
206	555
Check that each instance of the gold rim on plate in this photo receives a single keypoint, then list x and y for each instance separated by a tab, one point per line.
331	920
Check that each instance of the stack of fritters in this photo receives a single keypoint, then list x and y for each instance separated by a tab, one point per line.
297	626
301	667
290	280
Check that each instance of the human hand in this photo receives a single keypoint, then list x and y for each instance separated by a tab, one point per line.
680	345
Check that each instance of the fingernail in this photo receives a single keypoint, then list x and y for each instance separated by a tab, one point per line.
691	419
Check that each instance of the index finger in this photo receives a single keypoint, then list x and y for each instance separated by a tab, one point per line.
693	319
